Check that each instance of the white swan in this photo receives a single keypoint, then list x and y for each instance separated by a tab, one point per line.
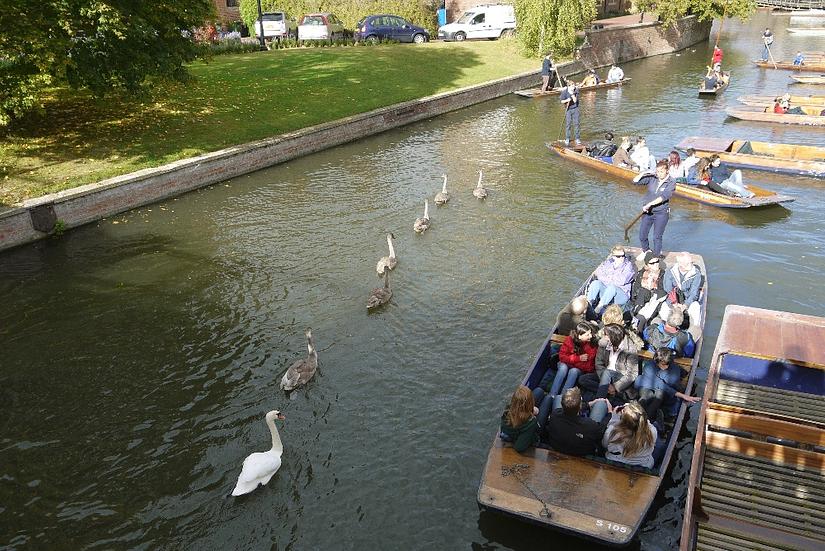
479	191
259	467
442	196
303	370
421	224
387	262
380	295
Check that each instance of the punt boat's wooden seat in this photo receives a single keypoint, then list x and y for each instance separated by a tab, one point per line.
684	363
775	401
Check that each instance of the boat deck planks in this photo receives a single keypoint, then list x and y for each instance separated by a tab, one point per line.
536	93
758	469
818	67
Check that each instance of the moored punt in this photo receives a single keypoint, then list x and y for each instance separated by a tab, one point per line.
704	93
811	118
809	79
807	31
700	194
817	65
590	497
768	101
807	160
536	93
757	477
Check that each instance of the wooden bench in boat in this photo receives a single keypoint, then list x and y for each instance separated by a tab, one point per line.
684	363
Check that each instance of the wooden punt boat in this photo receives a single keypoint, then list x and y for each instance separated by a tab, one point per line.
816	66
703	93
807	160
768	101
757	477
586	496
700	194
810	118
807	31
809	79
536	93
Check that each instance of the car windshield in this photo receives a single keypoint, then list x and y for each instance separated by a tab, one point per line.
273	17
313	20
466	17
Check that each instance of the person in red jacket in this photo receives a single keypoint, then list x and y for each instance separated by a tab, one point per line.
576	357
717	55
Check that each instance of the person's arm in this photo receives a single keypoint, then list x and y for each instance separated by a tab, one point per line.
567	353
601	360
629	370
527	437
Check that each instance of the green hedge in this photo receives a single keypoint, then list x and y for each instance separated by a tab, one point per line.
418	12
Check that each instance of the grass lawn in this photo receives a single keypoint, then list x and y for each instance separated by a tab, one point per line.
233	99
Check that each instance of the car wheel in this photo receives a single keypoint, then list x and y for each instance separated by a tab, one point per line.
372	38
419	38
508	33
460	36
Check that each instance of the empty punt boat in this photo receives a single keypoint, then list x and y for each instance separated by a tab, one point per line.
807	160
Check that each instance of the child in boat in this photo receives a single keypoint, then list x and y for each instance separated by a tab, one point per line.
660	383
518	422
612	281
577	356
568	432
630	438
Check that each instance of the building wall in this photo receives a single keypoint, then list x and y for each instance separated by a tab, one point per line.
456	7
228	13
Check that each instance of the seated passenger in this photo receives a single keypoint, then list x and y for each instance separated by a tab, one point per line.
615	74
799	59
591	79
617	366
778	108
661	383
642	157
603	148
711	81
630	437
731	182
683	282
614	315
669	334
518	422
577	311
612	281
647	291
621	157
567	432
577	356
674	165
690	161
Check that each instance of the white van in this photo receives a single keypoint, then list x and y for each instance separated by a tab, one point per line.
484	21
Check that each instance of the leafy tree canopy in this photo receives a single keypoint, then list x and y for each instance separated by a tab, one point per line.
672	10
551	24
98	44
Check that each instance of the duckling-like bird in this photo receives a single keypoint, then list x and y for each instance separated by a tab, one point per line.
421	224
259	467
387	262
442	196
303	370
380	295
479	191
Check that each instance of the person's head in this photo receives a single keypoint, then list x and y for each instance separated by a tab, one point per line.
613	315
591	72
625	142
640	141
685	261
799	52
690	152
661	169
717	67
675	317
608	136
614	334
673	158
767	30
632	430
578	305
549	54
583	332
571	401
714	160
571	85
663	356
617	252
521	407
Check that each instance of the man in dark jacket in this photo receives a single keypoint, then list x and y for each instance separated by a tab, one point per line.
567	432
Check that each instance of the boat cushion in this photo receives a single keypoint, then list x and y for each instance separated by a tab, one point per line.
774	373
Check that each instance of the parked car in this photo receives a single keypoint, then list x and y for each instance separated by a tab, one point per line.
277	24
485	21
320	26
390	27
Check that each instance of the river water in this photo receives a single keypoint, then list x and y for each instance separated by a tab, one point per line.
140	354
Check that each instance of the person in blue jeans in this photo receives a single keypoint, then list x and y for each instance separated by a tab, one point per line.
660	383
570	99
656	209
767	40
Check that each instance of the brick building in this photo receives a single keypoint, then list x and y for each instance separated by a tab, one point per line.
228	10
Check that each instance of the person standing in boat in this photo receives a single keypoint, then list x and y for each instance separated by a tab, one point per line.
767	40
547	73
717	56
656	208
570	99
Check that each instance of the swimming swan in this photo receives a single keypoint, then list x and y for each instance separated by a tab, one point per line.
303	370
259	467
387	262
479	191
421	224
442	196
380	295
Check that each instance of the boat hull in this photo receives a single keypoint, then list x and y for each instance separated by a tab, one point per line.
768	101
536	93
815	67
770	157
806	79
761	116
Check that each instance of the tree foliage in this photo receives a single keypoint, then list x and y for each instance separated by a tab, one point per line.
98	44
418	12
672	10
551	24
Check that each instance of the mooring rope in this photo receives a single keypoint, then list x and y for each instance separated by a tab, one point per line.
516	470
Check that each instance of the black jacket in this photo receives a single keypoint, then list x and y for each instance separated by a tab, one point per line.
574	435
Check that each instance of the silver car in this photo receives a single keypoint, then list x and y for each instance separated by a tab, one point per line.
277	24
321	26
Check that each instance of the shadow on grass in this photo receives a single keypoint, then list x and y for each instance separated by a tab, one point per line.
231	100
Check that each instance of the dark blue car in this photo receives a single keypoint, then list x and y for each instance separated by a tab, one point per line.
390	27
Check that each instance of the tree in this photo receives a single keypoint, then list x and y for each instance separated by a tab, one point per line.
102	45
551	24
672	10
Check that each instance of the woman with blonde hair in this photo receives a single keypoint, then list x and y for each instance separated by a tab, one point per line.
614	315
630	438
518	422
